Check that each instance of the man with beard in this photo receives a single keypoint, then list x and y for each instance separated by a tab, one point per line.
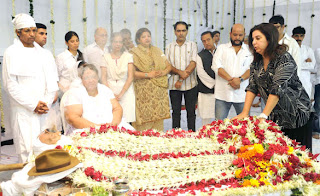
307	57
231	63
93	53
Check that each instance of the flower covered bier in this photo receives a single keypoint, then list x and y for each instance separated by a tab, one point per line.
223	158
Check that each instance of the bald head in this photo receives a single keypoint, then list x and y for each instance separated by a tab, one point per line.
100	36
238	27
237	34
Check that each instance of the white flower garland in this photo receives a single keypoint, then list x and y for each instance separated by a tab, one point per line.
96	12
188	4
244	12
311	28
212	13
201	14
135	17
238	12
287	12
252	17
14	14
195	20
264	10
124	14
217	12
299	12
146	13
52	27
222	18
156	22
69	15
180	10
84	13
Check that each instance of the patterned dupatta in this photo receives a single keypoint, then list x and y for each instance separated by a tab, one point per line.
149	61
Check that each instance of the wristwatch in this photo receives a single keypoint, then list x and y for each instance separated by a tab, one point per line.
262	115
241	79
146	75
180	80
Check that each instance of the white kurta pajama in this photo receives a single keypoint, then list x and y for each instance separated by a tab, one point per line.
117	74
307	68
27	78
206	102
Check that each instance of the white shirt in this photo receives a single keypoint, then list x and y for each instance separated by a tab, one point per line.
180	58
27	78
93	54
307	67
294	50
67	65
317	67
235	65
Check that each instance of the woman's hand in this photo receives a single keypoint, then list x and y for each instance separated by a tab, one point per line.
154	74
240	116
118	96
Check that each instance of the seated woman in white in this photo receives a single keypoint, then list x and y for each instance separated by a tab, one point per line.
91	104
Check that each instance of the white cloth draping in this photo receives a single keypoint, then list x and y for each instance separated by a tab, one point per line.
28	79
117	75
235	65
22	183
22	20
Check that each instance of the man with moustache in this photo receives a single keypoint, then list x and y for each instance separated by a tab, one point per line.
93	53
182	55
206	78
231	63
307	57
28	80
284	38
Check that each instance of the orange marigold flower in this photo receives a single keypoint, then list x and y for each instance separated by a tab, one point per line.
246	183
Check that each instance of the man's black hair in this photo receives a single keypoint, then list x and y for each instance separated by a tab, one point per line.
180	22
277	19
298	30
41	26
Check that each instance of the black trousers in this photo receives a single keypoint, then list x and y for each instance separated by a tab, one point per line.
190	99
302	134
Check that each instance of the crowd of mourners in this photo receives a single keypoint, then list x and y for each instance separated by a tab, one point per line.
136	85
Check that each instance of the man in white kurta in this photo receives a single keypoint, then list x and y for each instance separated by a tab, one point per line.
284	38
307	57
29	83
93	53
206	79
231	63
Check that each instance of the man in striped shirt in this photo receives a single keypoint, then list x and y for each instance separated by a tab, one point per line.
182	55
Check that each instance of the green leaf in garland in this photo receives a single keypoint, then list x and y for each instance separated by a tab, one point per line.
264	14
313	15
146	22
52	21
135	2
189	25
229	13
244	16
180	9
124	21
221	28
12	17
217	12
194	10
84	19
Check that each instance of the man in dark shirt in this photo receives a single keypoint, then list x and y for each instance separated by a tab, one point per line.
206	78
